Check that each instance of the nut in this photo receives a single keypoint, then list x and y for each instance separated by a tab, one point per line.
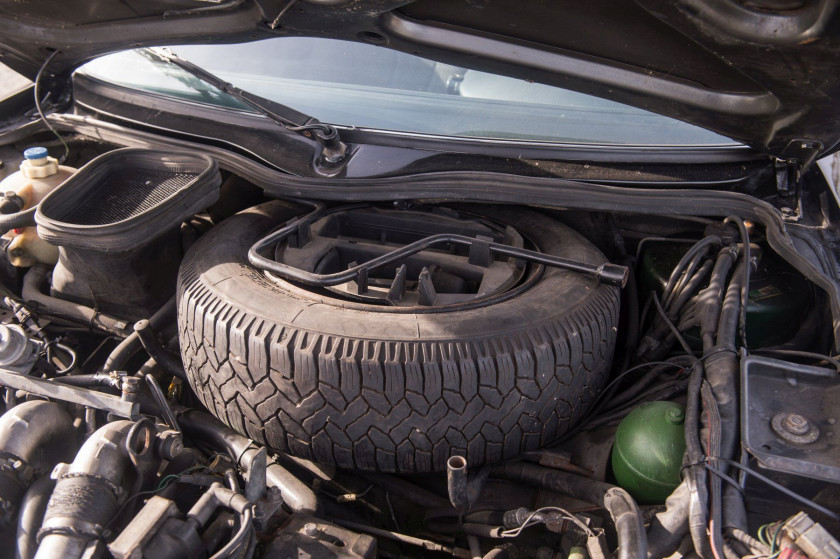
310	529
795	428
170	444
796	424
130	387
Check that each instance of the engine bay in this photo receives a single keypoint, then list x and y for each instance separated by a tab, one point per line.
197	360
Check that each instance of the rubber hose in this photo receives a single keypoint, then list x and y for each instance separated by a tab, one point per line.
625	513
32	509
156	351
88	494
709	299
676	274
504	551
722	375
668	527
695	473
19	220
689	290
32	282
120	355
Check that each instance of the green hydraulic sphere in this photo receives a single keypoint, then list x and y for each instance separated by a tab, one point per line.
648	451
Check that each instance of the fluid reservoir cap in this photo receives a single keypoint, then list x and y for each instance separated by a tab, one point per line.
35	153
37	164
648	451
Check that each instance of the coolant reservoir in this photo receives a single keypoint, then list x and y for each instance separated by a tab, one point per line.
38	176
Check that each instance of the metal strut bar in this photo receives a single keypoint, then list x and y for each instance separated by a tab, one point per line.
480	252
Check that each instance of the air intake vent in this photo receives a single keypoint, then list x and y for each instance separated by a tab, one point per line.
126	197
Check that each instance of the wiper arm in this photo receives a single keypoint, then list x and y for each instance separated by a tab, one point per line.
333	150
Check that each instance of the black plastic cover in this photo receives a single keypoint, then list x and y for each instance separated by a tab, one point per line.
772	388
127	198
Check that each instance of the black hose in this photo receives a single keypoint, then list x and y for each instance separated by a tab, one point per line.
687	274
688	290
156	351
695	473
709	300
32	282
625	513
97	379
120	355
721	369
677	273
727	329
18	220
745	273
88	493
686	507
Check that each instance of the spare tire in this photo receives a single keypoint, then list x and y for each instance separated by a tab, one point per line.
363	386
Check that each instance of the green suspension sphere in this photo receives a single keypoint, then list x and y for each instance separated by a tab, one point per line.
648	451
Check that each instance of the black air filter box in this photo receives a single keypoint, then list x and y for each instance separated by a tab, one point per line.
116	222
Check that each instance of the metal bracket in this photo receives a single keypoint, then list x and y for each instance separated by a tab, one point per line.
67	393
611	274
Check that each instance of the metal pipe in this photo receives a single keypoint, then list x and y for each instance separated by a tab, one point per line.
34	437
32	509
296	494
610	274
456	483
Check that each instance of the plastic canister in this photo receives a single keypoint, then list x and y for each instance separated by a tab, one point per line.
648	451
38	176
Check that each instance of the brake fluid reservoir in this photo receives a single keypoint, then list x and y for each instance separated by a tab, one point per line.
38	176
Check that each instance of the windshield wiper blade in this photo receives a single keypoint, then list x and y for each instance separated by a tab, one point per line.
333	150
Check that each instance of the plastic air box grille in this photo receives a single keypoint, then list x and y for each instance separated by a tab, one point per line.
126	198
126	194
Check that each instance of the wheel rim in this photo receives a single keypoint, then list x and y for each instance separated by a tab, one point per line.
439	278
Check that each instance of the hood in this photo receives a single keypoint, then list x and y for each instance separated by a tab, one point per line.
763	72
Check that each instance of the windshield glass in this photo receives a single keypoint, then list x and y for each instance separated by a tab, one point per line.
365	86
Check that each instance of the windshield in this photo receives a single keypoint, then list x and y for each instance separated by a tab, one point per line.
361	85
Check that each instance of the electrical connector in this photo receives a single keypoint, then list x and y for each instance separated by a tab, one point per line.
811	537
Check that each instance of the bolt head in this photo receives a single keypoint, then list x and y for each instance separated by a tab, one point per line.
796	424
310	529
